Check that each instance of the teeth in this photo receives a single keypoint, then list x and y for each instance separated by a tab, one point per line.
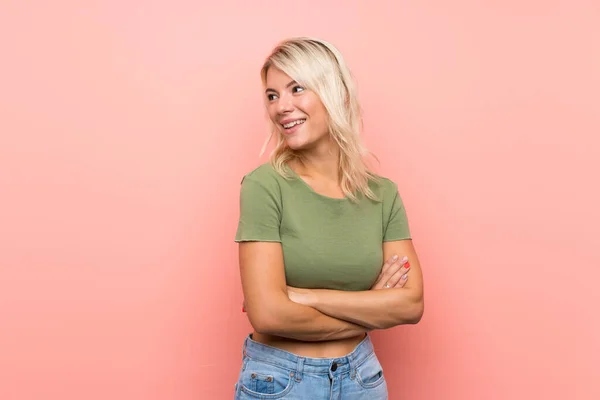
293	123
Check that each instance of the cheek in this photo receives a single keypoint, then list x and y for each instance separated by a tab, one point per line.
321	119
317	113
272	114
270	111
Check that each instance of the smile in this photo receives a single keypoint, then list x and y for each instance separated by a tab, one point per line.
294	123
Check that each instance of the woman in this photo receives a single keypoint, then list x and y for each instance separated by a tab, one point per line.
315	228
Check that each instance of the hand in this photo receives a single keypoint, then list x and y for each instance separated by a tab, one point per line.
394	274
300	296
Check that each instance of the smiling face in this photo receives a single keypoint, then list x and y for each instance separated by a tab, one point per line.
297	113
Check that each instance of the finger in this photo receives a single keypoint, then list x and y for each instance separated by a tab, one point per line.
385	277
385	267
402	282
397	277
393	281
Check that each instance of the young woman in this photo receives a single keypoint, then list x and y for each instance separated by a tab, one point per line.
325	249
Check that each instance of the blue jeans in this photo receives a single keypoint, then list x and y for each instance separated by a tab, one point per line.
271	373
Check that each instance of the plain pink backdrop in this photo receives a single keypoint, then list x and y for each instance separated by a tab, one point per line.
126	128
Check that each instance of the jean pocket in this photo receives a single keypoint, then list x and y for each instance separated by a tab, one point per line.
265	381
370	373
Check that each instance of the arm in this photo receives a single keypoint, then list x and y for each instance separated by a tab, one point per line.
270	311
376	309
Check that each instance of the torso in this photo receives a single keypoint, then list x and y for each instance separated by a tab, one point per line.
328	242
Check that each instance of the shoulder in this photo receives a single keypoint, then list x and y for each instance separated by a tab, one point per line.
264	174
384	188
262	180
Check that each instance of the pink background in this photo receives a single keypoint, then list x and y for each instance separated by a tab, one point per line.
126	128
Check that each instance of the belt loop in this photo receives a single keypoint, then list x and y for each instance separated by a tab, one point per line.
299	369
352	363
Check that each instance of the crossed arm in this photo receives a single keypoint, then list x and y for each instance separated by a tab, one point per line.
318	314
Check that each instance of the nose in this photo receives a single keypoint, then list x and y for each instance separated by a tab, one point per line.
285	105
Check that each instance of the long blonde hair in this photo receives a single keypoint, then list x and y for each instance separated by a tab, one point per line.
320	67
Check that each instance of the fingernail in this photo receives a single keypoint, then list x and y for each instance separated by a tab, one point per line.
404	277
394	258
407	265
404	259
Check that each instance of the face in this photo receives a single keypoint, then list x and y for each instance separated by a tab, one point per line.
297	113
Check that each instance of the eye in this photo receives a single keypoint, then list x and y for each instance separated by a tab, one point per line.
271	96
297	89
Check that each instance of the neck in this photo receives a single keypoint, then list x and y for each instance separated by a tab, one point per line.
321	162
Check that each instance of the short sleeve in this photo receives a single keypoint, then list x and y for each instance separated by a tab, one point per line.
397	225
260	211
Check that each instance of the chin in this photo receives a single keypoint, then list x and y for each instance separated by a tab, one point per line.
296	143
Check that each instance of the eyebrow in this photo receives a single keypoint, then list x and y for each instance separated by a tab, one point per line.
287	86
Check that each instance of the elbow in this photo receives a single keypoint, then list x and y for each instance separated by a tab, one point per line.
410	314
268	316
259	326
415	313
264	323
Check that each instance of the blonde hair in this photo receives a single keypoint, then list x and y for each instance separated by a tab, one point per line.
320	67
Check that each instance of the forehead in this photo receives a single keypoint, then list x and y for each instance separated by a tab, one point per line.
276	77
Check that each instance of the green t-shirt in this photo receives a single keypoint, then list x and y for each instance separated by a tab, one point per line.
327	243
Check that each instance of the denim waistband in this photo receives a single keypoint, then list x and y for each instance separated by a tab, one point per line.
293	362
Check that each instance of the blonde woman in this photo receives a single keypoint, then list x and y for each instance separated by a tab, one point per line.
325	249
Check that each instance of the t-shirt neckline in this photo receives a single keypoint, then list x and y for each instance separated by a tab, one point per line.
310	188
